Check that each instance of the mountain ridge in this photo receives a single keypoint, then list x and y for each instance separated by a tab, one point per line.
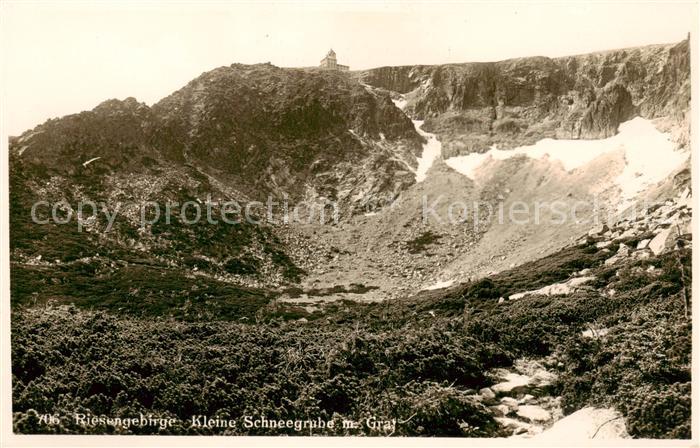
246	132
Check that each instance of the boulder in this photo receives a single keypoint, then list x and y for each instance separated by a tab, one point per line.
643	244
660	242
514	384
533	413
511	402
487	393
686	202
516	426
629	233
686	226
500	410
612	260
623	250
597	230
526	399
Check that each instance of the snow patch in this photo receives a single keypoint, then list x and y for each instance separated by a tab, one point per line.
431	149
649	154
401	102
587	423
91	160
562	288
439	285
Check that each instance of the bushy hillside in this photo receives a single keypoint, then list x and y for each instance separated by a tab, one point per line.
420	360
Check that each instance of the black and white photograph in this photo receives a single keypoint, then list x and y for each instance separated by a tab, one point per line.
306	220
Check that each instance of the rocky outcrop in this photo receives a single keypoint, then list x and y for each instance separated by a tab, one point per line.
510	103
264	129
659	228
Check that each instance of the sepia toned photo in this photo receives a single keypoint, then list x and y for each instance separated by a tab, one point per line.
363	219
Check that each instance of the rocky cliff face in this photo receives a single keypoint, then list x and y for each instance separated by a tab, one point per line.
510	103
279	129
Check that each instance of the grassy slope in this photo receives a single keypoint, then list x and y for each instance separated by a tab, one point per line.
390	360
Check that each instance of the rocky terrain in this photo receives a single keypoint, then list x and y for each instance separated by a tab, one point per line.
521	398
516	102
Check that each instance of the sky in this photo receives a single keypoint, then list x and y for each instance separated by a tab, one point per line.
62	58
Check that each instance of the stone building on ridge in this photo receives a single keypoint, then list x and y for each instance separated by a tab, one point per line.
330	62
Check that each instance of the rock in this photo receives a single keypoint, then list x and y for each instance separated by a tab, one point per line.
643	244
612	260
686	227
594	333
623	250
641	255
517	296
526	399
487	393
629	233
602	244
533	413
511	402
587	423
501	300
660	242
500	410
686	202
597	230
543	378
514	384
517	426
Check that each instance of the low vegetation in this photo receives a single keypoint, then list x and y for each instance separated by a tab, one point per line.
419	360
